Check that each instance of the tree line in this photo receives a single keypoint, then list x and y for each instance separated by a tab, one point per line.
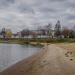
57	32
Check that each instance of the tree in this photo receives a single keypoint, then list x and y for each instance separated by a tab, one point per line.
25	32
39	30
34	35
8	33
66	32
49	30
71	34
73	29
3	32
58	30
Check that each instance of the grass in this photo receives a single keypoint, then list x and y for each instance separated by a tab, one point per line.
38	40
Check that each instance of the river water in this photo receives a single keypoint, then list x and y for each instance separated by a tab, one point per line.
13	53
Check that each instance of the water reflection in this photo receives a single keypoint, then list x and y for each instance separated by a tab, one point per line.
12	53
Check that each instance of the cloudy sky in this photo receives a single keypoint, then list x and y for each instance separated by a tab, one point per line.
19	14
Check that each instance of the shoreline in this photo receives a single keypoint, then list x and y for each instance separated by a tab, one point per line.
25	62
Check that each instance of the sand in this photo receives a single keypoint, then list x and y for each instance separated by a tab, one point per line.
67	46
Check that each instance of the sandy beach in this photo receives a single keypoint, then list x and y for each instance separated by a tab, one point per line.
51	60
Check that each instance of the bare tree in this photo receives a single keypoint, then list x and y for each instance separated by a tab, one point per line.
49	30
58	30
39	30
73	30
3	32
24	33
66	32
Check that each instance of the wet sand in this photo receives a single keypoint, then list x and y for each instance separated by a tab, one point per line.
51	60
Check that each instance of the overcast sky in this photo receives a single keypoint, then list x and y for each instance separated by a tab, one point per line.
19	14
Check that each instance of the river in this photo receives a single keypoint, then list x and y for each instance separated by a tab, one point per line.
13	53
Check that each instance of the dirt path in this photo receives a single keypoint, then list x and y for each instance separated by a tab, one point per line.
52	61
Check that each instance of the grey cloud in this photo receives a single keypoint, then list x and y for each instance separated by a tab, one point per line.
25	8
57	0
31	13
6	3
72	17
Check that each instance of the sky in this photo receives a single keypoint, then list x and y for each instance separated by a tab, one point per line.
21	14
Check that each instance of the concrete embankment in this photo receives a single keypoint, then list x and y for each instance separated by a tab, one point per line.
51	60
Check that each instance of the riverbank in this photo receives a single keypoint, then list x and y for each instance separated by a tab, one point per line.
36	40
22	41
51	60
